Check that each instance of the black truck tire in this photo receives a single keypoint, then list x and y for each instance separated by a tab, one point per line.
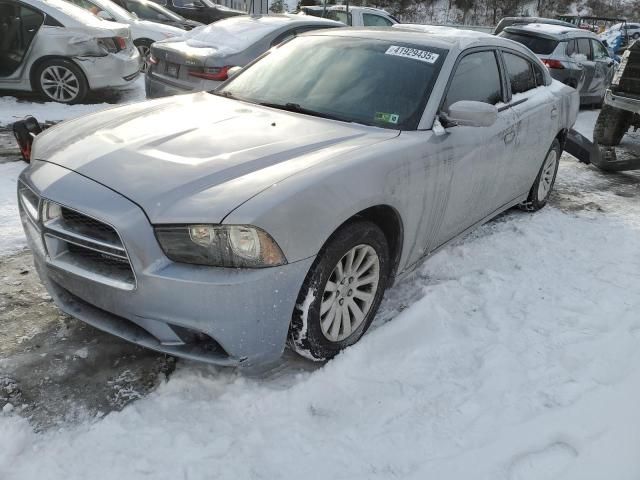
611	125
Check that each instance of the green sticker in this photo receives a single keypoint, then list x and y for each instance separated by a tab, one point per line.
387	117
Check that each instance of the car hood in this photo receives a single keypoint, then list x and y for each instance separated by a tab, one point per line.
194	158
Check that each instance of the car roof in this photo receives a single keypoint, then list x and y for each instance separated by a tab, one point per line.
447	38
557	32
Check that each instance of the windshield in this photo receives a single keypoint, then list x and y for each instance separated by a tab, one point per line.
538	45
372	82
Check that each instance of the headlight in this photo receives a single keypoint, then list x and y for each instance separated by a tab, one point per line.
234	246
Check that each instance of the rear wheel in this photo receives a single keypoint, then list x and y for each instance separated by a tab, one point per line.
611	125
61	80
341	294
541	188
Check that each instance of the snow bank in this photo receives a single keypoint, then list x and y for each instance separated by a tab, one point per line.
11	234
12	108
517	358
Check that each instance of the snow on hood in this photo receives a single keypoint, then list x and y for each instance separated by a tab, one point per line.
175	155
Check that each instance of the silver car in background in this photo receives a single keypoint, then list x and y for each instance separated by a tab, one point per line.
200	60
62	51
573	56
215	226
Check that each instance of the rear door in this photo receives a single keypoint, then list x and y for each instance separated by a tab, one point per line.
603	68
536	113
584	57
475	155
19	26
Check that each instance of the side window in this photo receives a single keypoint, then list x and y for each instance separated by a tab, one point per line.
520	72
372	20
476	78
161	2
286	35
599	52
584	48
537	73
572	48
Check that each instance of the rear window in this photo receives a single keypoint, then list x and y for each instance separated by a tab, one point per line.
538	45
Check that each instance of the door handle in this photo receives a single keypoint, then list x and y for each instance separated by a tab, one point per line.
554	112
509	136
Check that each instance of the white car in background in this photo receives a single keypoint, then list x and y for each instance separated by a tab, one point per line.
143	32
354	16
62	51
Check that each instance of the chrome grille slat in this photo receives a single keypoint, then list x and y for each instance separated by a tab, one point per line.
55	230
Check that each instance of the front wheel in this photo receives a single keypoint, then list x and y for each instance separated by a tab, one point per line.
144	48
342	291
541	188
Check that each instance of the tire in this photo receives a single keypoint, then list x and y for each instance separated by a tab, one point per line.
611	125
636	35
144	49
61	80
543	185
314	335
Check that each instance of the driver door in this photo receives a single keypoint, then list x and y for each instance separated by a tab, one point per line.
475	155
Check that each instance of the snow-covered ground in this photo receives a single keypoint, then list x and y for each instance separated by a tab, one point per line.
513	354
12	108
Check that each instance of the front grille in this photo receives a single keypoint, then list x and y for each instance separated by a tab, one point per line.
88	226
85	246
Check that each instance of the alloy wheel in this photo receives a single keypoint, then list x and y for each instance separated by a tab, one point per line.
548	172
349	293
60	83
144	51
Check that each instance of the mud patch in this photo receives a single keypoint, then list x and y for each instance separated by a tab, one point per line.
56	369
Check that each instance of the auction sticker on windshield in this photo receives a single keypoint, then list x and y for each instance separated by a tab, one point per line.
416	54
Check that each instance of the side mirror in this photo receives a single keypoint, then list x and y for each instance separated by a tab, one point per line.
233	71
105	16
469	113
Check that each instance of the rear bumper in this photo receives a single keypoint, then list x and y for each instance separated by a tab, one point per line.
215	315
113	70
623	103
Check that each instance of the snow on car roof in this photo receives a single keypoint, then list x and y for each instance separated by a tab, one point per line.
447	38
235	34
546	28
78	15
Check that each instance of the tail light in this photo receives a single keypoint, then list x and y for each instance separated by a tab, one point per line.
113	44
556	64
210	73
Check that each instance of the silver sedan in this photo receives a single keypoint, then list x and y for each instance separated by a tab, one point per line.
280	207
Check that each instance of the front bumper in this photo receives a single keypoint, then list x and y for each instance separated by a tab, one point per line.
621	102
112	70
216	315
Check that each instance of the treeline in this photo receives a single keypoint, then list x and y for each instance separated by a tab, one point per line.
489	12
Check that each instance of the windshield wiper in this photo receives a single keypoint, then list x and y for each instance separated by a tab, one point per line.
226	94
297	108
